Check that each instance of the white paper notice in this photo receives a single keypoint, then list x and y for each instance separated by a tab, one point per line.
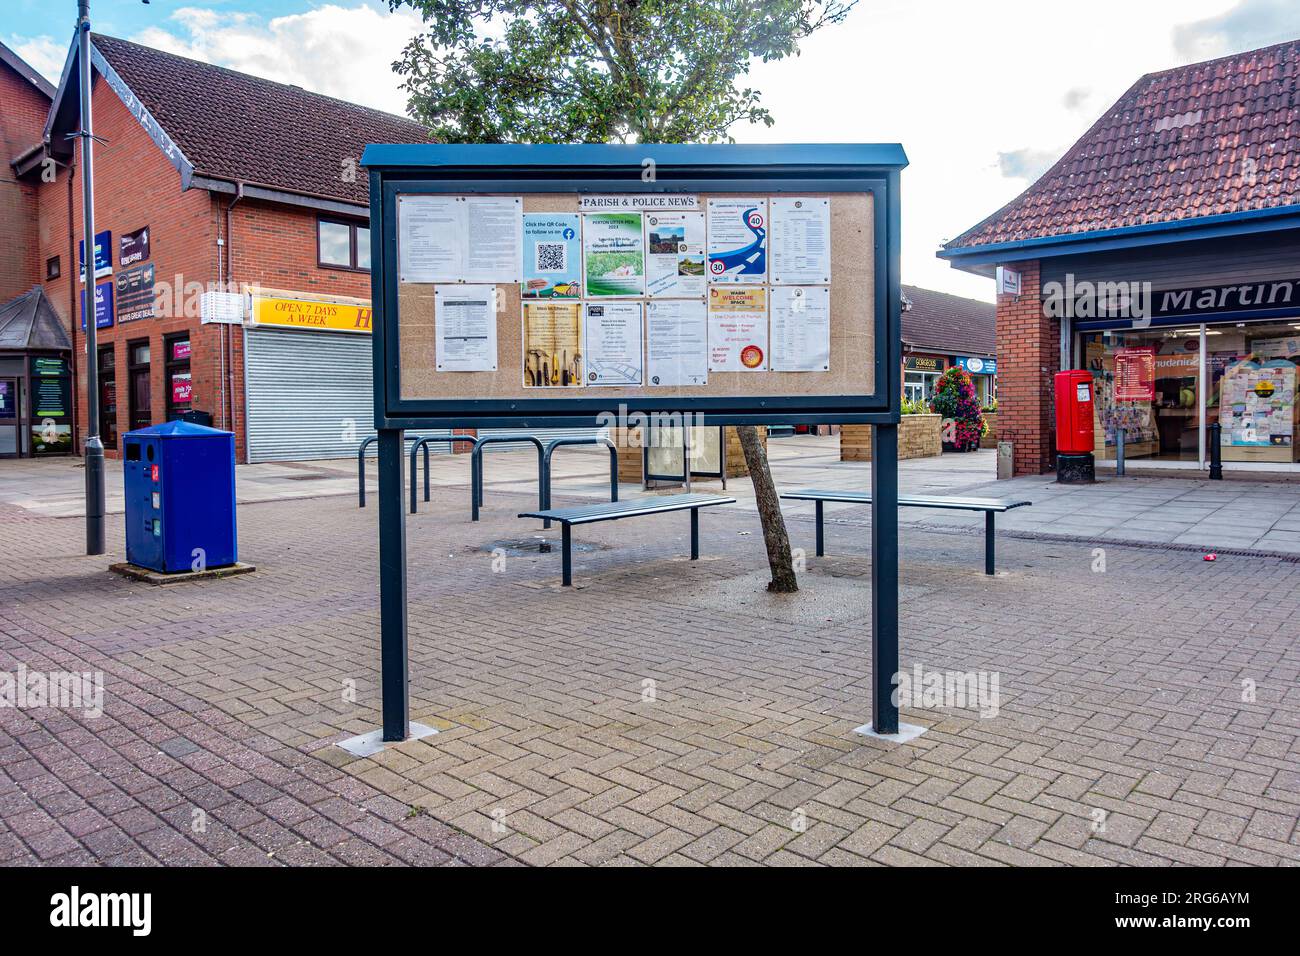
801	328
613	343
466	319
738	329
801	241
495	239
430	239
677	342
674	243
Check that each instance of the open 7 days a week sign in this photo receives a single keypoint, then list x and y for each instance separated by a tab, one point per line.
553	285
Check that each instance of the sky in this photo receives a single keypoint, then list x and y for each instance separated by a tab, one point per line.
984	96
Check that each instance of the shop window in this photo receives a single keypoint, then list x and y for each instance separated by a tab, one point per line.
180	381
53	269
343	244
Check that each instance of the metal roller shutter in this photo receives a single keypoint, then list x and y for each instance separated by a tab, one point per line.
303	388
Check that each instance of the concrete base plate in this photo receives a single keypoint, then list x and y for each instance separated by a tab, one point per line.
150	576
905	733
367	745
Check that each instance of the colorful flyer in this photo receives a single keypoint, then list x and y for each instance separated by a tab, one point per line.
801	328
613	343
737	246
552	256
553	344
677	342
738	329
674	243
801	241
613	254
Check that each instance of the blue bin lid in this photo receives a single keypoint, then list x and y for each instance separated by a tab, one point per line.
177	429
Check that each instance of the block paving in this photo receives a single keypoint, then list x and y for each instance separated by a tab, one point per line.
664	712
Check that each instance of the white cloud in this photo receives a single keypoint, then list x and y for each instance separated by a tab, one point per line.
346	52
44	54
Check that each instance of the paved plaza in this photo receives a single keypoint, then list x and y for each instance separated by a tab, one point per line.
1139	704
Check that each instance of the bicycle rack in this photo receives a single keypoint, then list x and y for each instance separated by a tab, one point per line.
555	443
476	468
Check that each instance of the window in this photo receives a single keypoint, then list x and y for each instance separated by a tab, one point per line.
52	268
180	383
342	244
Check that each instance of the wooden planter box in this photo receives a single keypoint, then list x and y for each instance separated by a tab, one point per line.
991	439
919	436
630	453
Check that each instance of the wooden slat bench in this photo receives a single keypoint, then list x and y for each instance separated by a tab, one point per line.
613	510
990	507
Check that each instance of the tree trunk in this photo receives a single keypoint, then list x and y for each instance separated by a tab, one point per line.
769	512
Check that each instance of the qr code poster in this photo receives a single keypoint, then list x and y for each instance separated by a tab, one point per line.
552	256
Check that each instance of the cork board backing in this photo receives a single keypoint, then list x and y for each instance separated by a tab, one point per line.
852	320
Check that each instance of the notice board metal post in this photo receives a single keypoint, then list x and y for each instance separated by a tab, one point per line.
862	385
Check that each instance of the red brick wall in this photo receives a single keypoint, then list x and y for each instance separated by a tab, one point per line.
135	186
1028	356
22	120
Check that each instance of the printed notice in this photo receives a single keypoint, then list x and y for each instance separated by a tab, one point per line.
430	239
465	316
494	239
737	247
553	344
801	328
613	337
801	241
738	329
674	243
677	342
613	254
552	256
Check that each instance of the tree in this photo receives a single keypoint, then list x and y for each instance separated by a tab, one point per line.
595	71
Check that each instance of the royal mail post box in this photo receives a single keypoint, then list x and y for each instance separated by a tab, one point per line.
1074	412
180	497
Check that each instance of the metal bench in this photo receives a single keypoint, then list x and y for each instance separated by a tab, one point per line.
990	507
612	511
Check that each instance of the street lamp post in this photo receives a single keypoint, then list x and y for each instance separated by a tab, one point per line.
94	448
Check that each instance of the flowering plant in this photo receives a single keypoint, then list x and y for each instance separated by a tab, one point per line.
955	399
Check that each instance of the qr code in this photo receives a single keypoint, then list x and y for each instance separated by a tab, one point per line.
551	257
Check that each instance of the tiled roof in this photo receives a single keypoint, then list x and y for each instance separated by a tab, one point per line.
1217	137
948	324
29	322
237	127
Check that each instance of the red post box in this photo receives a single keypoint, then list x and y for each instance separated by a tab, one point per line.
1074	412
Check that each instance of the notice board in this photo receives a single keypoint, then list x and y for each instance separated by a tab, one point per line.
568	297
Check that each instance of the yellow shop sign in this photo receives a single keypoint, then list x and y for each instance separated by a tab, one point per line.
311	314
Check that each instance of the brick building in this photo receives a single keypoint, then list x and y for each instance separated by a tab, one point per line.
1162	253
941	331
231	262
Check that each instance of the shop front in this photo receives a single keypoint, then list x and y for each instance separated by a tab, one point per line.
921	375
1165	387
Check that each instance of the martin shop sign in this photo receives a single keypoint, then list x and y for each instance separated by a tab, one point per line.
1136	302
134	247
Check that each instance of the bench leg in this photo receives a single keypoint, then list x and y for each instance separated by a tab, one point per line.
566	572
821	535
988	542
695	534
